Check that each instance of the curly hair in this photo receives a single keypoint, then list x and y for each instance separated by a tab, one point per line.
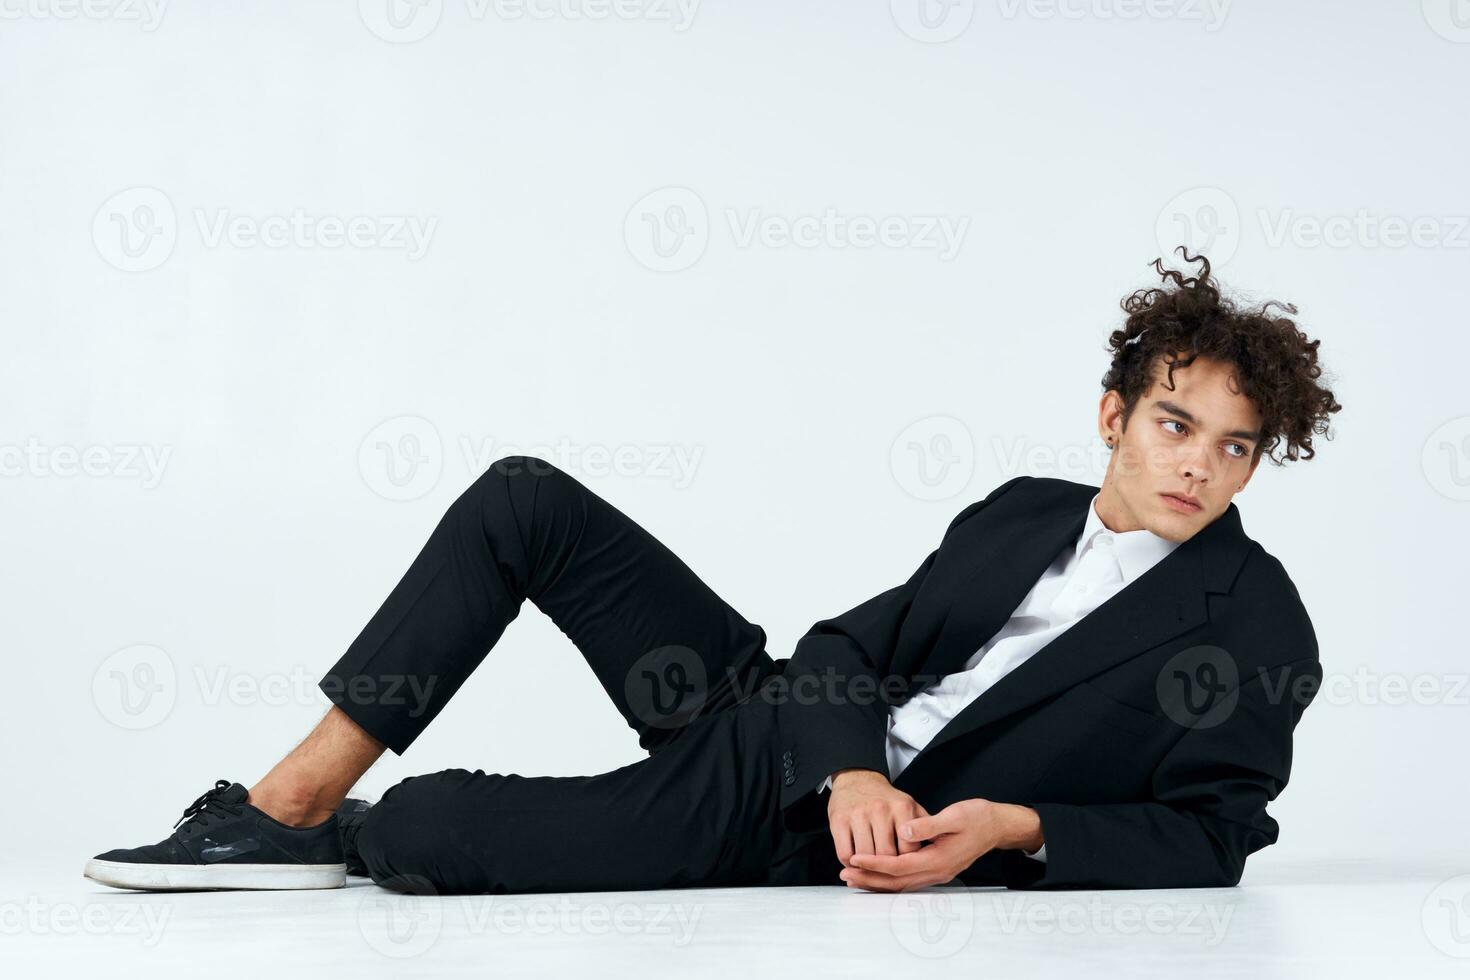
1275	363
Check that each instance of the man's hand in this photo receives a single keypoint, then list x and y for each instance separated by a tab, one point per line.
864	812
958	836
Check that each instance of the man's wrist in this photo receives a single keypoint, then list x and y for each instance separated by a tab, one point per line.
1018	828
843	777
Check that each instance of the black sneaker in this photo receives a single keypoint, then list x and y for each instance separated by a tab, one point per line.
350	816
227	843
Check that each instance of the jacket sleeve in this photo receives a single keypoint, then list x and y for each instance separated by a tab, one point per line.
835	679
1209	807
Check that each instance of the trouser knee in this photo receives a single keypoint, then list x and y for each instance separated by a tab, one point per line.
530	512
524	490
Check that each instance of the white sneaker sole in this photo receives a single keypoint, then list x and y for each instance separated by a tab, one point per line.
195	877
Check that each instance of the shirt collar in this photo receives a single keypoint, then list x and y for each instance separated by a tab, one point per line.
1137	551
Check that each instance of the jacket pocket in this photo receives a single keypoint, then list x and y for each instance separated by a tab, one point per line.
1113	712
1103	750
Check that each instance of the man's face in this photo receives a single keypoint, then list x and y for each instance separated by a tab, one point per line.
1197	440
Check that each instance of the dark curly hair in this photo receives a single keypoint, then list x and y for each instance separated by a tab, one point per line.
1276	365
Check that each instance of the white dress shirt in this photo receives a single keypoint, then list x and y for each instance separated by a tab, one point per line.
1077	582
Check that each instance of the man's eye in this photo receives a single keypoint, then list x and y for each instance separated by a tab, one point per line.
1173	422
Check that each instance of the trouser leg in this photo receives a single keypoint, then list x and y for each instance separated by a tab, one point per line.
702	811
664	646
674	658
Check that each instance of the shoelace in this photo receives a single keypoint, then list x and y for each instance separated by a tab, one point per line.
209	805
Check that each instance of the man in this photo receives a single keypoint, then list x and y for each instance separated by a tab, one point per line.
1080	687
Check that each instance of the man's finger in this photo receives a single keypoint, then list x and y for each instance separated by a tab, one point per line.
876	883
906	846
919	862
858	878
928	828
862	836
885	834
842	840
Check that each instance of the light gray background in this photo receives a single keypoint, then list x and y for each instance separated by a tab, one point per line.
1072	147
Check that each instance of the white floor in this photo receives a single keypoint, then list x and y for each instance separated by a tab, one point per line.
1360	918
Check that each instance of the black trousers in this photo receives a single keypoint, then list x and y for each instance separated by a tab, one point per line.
683	668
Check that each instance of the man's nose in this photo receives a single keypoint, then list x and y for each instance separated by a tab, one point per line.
1195	464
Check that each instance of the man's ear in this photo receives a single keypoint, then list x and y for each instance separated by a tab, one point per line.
1110	417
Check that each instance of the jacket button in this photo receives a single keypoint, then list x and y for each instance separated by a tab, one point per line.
790	779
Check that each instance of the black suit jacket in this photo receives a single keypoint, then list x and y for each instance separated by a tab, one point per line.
1149	736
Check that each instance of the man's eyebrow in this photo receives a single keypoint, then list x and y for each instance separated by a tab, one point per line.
1174	409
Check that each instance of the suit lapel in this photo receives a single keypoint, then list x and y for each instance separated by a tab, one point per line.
1166	601
1000	562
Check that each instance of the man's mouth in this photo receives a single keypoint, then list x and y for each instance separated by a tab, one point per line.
1185	505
